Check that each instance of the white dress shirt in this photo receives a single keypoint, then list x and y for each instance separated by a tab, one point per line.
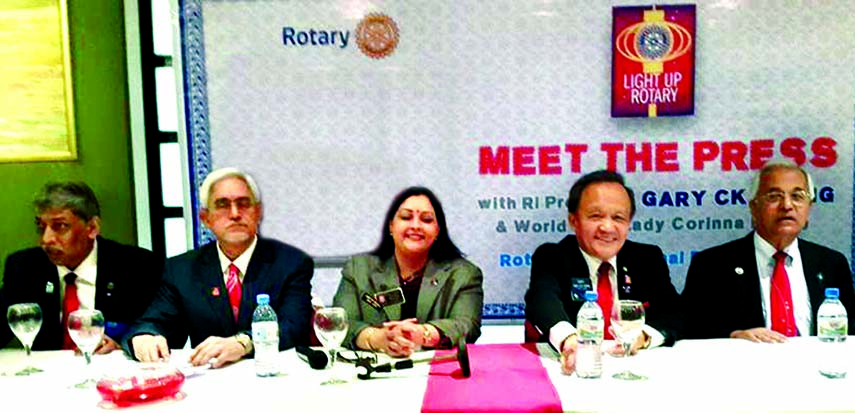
86	273
563	329
764	252
241	262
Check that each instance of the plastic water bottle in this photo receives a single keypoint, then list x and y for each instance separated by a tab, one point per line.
589	333
265	337
831	328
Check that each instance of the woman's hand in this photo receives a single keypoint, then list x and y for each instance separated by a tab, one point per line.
399	338
402	337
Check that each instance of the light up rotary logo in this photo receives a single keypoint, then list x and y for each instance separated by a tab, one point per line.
377	35
653	42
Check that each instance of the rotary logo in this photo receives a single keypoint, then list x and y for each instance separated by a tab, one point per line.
653	41
377	35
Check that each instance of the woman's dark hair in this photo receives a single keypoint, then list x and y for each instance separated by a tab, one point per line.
443	248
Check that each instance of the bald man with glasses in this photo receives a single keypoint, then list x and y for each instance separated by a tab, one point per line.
768	285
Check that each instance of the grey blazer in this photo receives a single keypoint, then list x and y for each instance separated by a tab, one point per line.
450	298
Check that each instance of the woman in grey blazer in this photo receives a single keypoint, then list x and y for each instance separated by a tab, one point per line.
417	263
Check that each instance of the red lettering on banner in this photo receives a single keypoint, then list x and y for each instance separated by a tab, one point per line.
704	151
497	163
754	154
576	151
794	148
644	156
658	157
611	150
550	161
823	151
524	160
733	156
761	151
666	157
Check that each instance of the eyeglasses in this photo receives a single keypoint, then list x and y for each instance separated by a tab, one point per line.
224	204
799	197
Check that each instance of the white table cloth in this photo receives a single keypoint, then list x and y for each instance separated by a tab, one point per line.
698	375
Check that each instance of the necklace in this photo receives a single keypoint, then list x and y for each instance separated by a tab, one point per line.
416	276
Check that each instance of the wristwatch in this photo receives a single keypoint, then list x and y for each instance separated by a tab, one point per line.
244	340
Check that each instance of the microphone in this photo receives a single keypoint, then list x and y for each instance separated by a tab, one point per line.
365	368
318	360
371	301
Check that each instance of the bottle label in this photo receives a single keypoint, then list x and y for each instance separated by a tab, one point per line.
265	331
590	331
832	328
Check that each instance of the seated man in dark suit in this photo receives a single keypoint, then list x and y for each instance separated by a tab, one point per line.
768	285
599	258
76	268
209	294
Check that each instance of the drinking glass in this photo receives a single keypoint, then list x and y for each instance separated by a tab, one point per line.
331	327
627	321
25	320
86	328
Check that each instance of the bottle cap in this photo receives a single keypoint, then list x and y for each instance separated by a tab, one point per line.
832	292
590	295
262	299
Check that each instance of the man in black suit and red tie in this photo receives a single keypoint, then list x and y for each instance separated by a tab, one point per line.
768	285
600	258
76	268
209	294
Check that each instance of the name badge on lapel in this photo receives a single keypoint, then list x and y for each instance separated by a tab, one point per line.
391	297
49	288
578	286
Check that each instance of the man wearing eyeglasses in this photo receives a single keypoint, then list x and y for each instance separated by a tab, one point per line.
766	286
209	294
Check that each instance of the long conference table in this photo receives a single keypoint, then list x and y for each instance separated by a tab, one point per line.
694	375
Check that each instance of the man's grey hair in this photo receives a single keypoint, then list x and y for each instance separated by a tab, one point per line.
75	196
223	173
780	163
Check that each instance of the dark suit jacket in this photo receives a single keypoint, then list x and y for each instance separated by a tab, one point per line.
451	296
722	292
127	279
550	297
193	300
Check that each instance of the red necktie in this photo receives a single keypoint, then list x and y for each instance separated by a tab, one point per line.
233	285
70	302
604	296
783	320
